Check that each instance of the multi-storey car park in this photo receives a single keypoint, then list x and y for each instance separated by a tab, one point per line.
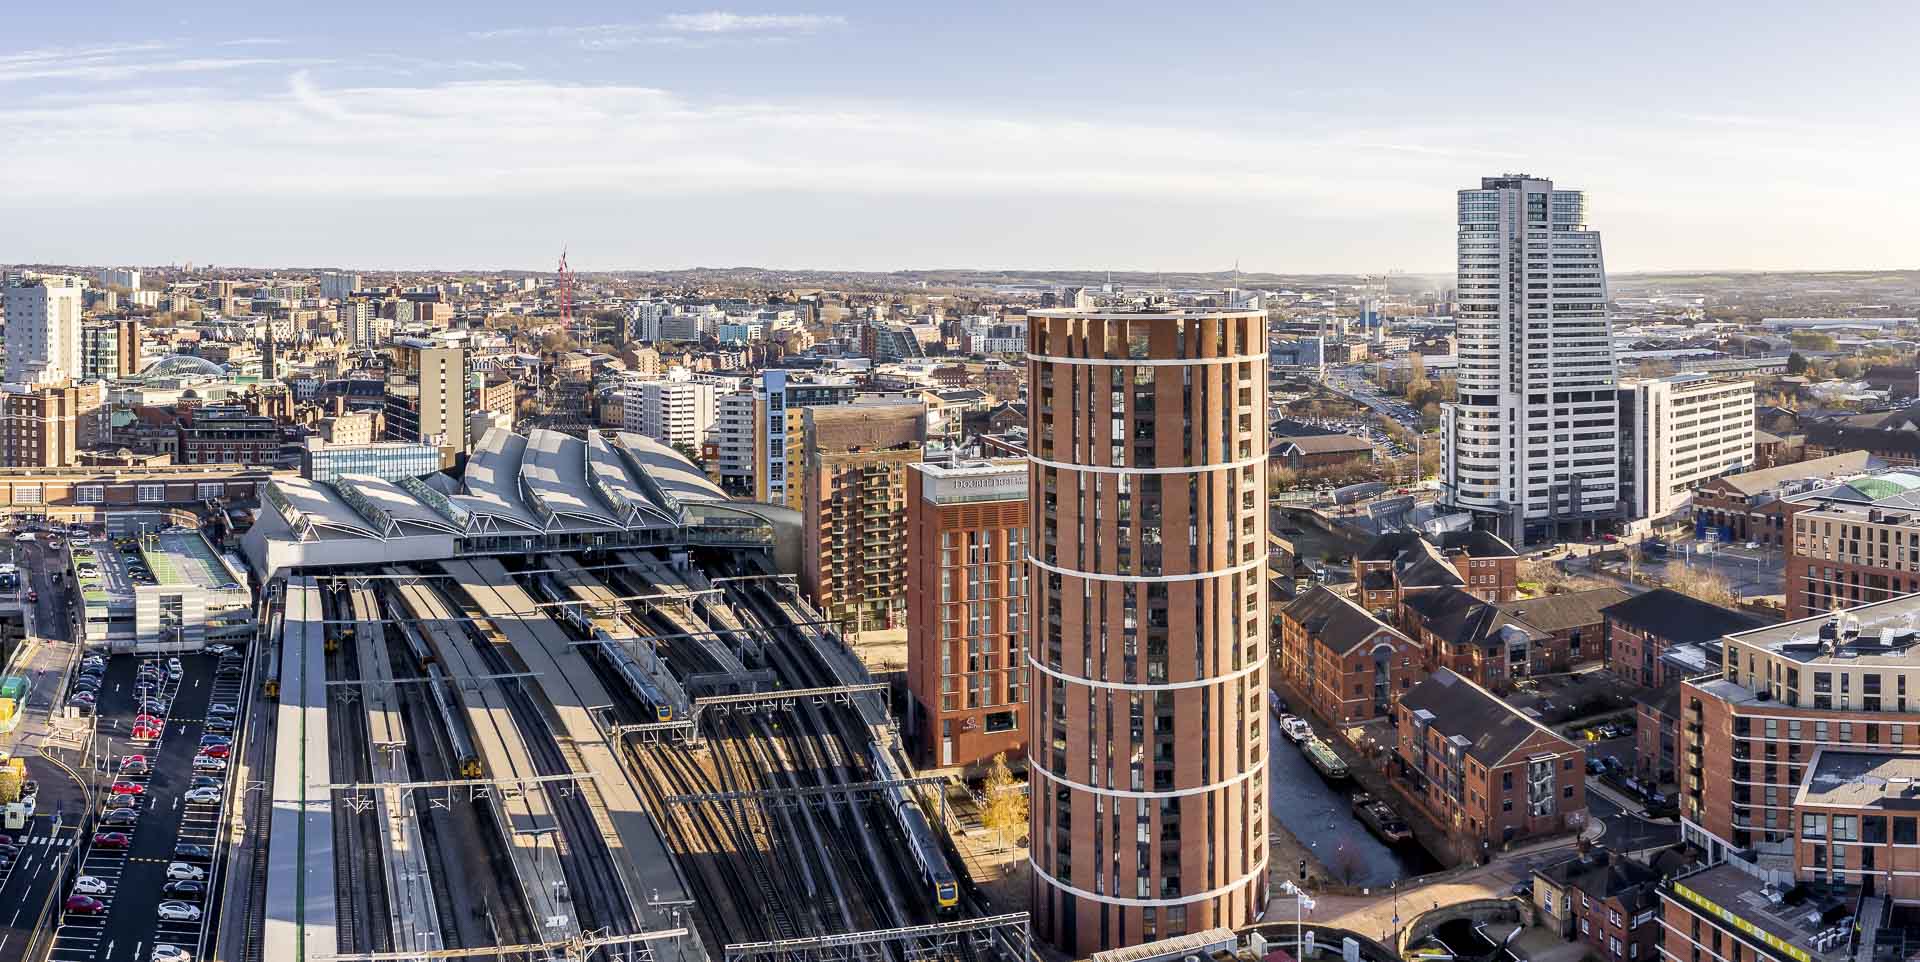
571	703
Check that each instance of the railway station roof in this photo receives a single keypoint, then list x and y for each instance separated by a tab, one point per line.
520	493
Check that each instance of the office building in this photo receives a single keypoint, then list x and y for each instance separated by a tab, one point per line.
392	460
779	405
338	285
226	434
967	579
427	396
43	332
676	410
120	277
854	500
1147	459
1531	446
40	428
1727	911
1677	432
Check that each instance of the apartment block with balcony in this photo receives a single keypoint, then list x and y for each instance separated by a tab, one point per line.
854	500
1855	543
1842	681
1489	774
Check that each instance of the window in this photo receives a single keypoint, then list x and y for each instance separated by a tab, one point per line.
90	494
26	494
211	489
152	492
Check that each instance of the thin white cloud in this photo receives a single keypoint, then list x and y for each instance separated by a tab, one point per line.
678	29
719	21
909	163
89	53
104	71
253	42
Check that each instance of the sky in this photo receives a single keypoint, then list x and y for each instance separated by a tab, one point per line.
1281	136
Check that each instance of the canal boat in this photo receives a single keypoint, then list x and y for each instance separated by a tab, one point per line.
1324	760
1380	819
1296	729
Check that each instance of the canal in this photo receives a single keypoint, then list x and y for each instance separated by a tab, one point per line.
1321	817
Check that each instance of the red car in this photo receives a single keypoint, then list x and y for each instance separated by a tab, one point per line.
133	763
32	596
85	905
129	788
215	751
147	732
111	840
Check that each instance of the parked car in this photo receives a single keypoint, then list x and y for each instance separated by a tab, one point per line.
110	840
206	781
185	890
182	870
146	732
179	912
206	740
85	905
216	751
120	816
189	852
218	649
89	885
171	953
136	764
129	788
219	709
207	795
207	763
174	668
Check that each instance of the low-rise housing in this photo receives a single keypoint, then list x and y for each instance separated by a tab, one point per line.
1348	664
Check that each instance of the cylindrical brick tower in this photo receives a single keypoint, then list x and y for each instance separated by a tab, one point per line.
1148	486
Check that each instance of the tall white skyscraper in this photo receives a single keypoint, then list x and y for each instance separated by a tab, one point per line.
125	277
1533	442
677	410
338	285
43	332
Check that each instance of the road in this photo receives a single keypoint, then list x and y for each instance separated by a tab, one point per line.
1626	831
28	887
1351	382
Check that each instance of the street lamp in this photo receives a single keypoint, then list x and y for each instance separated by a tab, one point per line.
1301	905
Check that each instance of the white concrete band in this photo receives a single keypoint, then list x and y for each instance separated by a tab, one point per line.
1081	893
1179	469
1123	793
1238	569
1129	686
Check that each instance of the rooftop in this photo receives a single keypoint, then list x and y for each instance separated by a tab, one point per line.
1862	780
1798	926
1490	727
1882	633
1335	621
1679	618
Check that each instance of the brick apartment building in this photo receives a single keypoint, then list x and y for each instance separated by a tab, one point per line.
1495	644
1854	544
226	434
1400	563
1759	505
1642	628
854	501
1489	774
1348	665
1836	682
967	609
1604	900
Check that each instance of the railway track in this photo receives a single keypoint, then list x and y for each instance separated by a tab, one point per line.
592	879
359	871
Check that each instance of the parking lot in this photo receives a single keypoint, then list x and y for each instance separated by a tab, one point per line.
145	879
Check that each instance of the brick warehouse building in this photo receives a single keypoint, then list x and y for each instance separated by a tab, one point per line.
967	610
1347	664
1148	459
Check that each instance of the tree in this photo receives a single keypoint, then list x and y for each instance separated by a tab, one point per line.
1704	584
1846	369
1005	814
1796	363
1811	340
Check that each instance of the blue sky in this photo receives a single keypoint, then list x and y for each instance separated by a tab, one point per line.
1286	136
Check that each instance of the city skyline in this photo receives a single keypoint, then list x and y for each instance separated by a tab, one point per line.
859	137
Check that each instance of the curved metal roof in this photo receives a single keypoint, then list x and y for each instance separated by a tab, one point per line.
175	366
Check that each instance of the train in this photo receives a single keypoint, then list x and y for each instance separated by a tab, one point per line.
643	687
416	645
271	684
925	845
465	761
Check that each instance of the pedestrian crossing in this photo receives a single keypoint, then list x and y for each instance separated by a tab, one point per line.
53	841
